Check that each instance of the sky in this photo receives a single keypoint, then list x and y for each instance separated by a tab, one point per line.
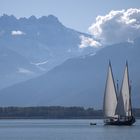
76	14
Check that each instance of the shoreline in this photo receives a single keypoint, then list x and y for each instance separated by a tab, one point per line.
54	112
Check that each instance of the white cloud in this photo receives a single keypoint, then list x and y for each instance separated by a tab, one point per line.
18	32
117	26
24	71
88	42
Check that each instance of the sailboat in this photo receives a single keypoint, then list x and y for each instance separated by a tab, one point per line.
118	108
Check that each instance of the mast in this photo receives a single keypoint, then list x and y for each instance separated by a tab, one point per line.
130	107
117	88
124	101
110	97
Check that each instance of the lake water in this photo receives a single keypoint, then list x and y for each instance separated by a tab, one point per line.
65	130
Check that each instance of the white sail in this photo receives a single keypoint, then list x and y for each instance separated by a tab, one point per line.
110	98
124	100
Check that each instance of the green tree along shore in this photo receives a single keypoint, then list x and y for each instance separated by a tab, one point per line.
53	112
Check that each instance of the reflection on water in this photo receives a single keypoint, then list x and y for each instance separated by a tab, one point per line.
65	130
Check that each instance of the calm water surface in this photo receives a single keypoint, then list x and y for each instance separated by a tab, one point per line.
65	130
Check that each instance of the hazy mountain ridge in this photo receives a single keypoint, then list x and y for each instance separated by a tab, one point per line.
44	42
78	81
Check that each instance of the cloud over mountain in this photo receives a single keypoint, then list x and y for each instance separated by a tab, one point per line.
18	32
117	26
87	41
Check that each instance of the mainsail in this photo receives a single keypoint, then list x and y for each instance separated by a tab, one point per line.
124	101
110	98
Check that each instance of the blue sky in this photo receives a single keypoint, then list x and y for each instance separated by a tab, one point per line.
76	14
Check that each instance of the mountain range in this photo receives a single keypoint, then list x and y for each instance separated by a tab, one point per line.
32	46
42	64
78	81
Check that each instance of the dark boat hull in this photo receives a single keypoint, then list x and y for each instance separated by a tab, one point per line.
92	123
129	122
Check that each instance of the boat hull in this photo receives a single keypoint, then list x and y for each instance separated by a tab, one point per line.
118	122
